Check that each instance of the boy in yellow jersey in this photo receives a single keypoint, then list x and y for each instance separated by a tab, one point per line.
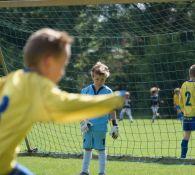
31	95
187	104
177	108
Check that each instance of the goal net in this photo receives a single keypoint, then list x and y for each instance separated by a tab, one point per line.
144	45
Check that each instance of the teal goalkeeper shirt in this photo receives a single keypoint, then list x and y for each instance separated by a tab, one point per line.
99	124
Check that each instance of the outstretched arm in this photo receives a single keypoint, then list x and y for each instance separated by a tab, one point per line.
69	107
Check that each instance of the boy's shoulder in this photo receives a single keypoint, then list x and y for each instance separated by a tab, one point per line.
86	89
187	83
107	88
89	87
27	78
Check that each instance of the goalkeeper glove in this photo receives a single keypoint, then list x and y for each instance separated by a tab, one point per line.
114	132
85	125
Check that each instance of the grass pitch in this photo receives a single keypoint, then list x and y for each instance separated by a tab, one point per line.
51	166
141	138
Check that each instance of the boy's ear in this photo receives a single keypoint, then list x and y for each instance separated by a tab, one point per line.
47	61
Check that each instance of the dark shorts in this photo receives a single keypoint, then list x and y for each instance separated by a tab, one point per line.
177	108
20	170
189	124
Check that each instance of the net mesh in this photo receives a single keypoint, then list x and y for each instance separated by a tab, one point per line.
144	45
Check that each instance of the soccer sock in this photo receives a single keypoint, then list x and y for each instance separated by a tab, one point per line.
184	148
121	116
86	161
130	117
102	161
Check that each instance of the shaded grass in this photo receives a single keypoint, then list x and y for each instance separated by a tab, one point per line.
51	166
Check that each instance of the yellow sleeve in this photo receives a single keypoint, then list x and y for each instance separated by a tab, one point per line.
174	100
2	82
69	107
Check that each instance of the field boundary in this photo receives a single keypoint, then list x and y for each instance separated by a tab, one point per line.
160	160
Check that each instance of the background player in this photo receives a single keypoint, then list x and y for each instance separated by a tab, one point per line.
187	104
31	95
154	91
94	130
177	108
126	108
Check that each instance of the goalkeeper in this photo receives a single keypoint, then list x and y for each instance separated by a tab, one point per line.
31	95
94	130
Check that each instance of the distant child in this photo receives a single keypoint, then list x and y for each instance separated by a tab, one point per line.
154	91
126	108
30	95
94	130
187	104
177	108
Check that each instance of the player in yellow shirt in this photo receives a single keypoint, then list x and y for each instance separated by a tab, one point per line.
187	104
31	95
177	108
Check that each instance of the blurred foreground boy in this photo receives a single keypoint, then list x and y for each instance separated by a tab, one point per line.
31	95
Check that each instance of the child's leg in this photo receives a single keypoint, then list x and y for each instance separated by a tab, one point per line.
184	143
87	146
188	127
129	114
121	114
86	160
20	170
153	113
156	110
102	161
99	144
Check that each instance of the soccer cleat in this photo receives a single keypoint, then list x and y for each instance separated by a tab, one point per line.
83	173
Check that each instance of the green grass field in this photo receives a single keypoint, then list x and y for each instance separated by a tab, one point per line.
141	138
51	166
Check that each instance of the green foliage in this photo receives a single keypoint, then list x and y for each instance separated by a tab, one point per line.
144	45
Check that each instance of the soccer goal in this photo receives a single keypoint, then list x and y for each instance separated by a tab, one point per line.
145	43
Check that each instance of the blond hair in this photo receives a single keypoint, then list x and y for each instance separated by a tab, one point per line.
100	69
45	42
154	90
192	71
176	90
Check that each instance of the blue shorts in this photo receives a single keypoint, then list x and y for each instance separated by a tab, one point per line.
189	123
20	170
94	140
177	107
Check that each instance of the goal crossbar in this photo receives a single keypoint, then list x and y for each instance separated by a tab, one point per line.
41	3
